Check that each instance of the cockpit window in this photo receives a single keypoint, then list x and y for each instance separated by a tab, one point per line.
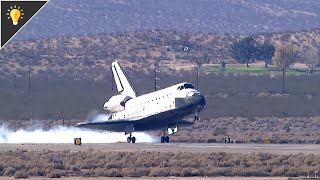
188	86
185	86
180	87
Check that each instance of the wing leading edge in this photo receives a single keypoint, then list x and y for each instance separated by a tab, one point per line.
121	125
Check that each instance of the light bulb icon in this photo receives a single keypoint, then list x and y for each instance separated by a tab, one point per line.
15	13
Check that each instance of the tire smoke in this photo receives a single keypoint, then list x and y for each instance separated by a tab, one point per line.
66	135
60	134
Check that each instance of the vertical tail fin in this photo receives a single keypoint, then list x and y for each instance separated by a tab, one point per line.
122	82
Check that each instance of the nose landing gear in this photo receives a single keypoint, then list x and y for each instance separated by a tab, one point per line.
164	138
131	139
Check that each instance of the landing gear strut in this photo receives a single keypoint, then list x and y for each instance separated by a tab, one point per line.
164	138
131	139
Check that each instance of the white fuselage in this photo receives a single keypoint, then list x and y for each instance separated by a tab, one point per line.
153	103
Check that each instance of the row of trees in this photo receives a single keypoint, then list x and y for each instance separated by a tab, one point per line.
248	49
282	55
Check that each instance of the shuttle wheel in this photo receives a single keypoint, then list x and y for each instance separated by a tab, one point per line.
129	139
133	139
165	139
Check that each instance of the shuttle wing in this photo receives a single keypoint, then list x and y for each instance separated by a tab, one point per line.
122	82
114	126
118	125
121	124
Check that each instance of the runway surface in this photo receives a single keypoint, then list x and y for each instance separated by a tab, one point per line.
172	147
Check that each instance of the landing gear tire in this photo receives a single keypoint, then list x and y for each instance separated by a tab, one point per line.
131	139
162	139
165	139
196	118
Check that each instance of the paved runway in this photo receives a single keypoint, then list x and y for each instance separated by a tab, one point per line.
173	147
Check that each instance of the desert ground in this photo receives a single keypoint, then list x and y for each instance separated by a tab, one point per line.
167	178
284	149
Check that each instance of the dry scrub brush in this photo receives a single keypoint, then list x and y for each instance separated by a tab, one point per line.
252	130
92	163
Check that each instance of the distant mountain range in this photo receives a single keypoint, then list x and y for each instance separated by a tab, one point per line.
84	17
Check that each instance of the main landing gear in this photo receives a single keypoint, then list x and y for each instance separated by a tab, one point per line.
129	130
131	139
164	138
196	117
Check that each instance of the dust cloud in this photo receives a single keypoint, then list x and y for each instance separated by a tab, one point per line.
60	134
66	135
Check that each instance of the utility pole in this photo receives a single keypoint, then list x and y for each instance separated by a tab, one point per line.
29	81
62	117
283	75
198	62
29	93
155	76
197	77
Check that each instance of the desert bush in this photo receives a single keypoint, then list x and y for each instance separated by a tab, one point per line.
135	172
58	166
53	175
159	172
197	172
74	168
99	172
9	171
279	170
113	172
186	172
86	173
21	174
219	172
1	170
37	171
292	172
175	171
